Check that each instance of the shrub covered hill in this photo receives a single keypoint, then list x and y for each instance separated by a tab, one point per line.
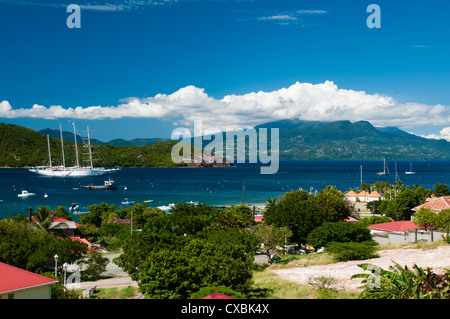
20	147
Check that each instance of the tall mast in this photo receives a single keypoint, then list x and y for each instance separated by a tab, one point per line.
361	174
76	148
49	154
89	146
62	146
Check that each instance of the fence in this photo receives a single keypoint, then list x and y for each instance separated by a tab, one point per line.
385	237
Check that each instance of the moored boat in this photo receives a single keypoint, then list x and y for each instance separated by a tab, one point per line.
25	194
108	185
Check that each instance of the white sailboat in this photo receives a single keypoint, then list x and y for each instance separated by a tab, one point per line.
72	171
385	169
410	172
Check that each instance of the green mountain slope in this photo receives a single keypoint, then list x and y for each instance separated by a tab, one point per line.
343	140
20	146
68	136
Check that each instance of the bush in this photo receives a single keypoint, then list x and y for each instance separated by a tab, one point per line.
338	232
352	250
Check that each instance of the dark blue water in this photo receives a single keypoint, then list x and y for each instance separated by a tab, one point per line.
214	186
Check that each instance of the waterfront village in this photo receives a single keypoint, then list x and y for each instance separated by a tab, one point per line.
199	251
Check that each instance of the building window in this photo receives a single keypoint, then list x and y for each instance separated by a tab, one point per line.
11	296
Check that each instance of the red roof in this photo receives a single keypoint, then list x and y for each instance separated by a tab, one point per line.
259	218
435	204
403	225
13	278
57	219
218	295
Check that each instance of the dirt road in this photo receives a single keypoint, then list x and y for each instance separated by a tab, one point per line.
437	258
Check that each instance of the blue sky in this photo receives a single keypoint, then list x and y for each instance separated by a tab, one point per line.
141	68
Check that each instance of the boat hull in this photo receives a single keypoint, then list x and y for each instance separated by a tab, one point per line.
77	172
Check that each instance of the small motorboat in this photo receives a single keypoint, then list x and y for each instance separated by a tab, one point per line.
127	202
80	213
74	207
148	201
25	194
166	208
45	195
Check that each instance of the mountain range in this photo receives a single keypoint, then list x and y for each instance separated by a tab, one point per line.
298	140
344	140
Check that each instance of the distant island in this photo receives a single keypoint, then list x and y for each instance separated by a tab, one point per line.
299	140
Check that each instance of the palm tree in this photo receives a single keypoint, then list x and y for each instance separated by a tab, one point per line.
44	219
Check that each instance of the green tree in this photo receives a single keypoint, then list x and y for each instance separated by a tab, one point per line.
400	207
443	219
338	232
197	264
271	237
33	249
300	215
44	218
425	218
441	190
334	204
95	264
98	213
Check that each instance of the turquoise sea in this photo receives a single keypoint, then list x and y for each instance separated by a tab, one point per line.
214	186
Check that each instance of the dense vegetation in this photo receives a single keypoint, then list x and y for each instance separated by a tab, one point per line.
21	147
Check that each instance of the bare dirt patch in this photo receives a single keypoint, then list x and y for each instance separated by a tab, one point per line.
437	258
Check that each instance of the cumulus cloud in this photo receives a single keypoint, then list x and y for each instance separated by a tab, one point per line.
322	102
443	134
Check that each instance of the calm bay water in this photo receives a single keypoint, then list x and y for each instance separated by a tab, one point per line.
214	186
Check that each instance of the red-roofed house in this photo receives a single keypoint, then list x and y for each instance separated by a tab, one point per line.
258	218
67	227
399	226
436	204
351	196
218	295
16	283
350	219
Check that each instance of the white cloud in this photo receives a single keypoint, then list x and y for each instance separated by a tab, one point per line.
443	134
322	102
312	11
278	17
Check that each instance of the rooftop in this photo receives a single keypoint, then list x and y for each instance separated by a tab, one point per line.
13	278
435	204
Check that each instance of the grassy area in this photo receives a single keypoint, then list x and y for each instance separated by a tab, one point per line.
290	261
269	285
116	293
